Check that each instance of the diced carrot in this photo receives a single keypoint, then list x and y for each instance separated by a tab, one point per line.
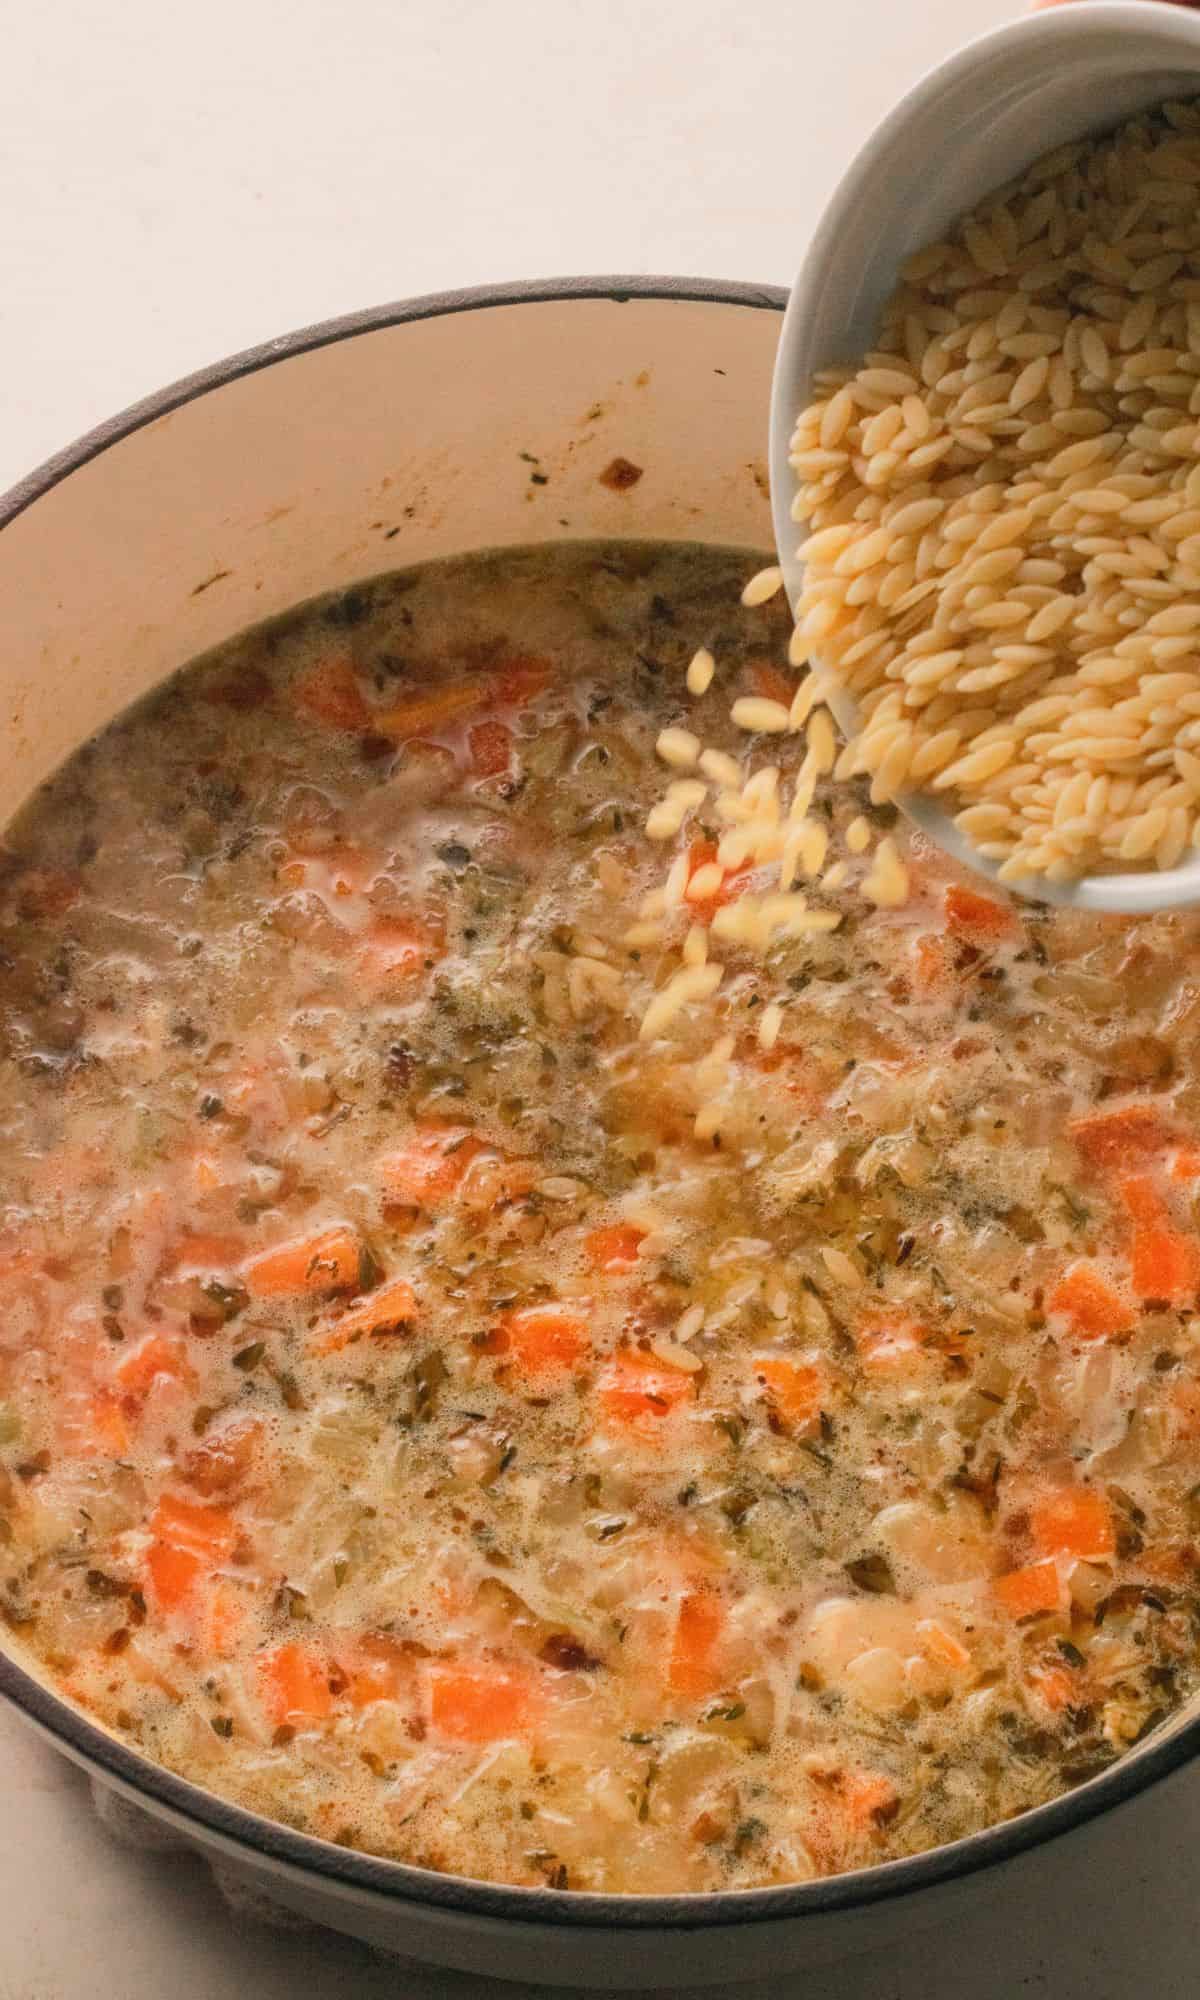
891	1345
333	872
1186	1164
206	1172
979	918
1074	1521
397	949
520	679
868	1799
614	1248
1022	1592
543	1340
490	745
392	1308
206	1253
771	684
851	1805
793	1389
941	1646
1165	1262
1143	1202
1122	1138
636	1389
1094	1308
428	1170
226	1458
374	1670
422	712
932	966
330	692
93	1426
221	1617
690	1672
294	1681
1165	1265
484	1703
1056	1686
108	1424
207	1531
189	1542
156	1356
330	1262
1184	1400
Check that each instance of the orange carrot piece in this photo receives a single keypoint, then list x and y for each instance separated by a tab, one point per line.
1165	1262
1143	1202
978	918
189	1542
1122	1138
226	1458
206	1253
1094	1308
636	1389
892	1345
392	1308
429	711
330	693
331	1262
1075	1521
93	1426
398	948
427	1171
1184	1401
868	1798
374	1671
222	1618
1057	1687
490	745
691	1671
294	1683
1022	1592
613	1249
793	1389
543	1340
941	1646
206	1172
108	1425
771	684
484	1703
1165	1265
932	963
157	1357
521	678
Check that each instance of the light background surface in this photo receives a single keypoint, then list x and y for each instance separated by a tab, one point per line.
177	183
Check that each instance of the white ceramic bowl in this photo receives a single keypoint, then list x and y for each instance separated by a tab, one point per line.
966	128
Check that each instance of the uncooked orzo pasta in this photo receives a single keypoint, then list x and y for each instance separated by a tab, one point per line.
1002	515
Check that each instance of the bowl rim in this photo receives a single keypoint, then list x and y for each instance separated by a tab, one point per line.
236	1829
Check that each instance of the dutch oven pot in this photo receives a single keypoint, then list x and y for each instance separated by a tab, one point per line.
363	445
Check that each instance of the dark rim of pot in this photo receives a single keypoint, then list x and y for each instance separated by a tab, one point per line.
233	1826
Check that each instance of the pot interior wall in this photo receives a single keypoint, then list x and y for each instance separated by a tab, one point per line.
480	427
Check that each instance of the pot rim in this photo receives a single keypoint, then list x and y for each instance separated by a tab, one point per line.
234	1826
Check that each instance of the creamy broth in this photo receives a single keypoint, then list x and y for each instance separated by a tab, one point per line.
410	1428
